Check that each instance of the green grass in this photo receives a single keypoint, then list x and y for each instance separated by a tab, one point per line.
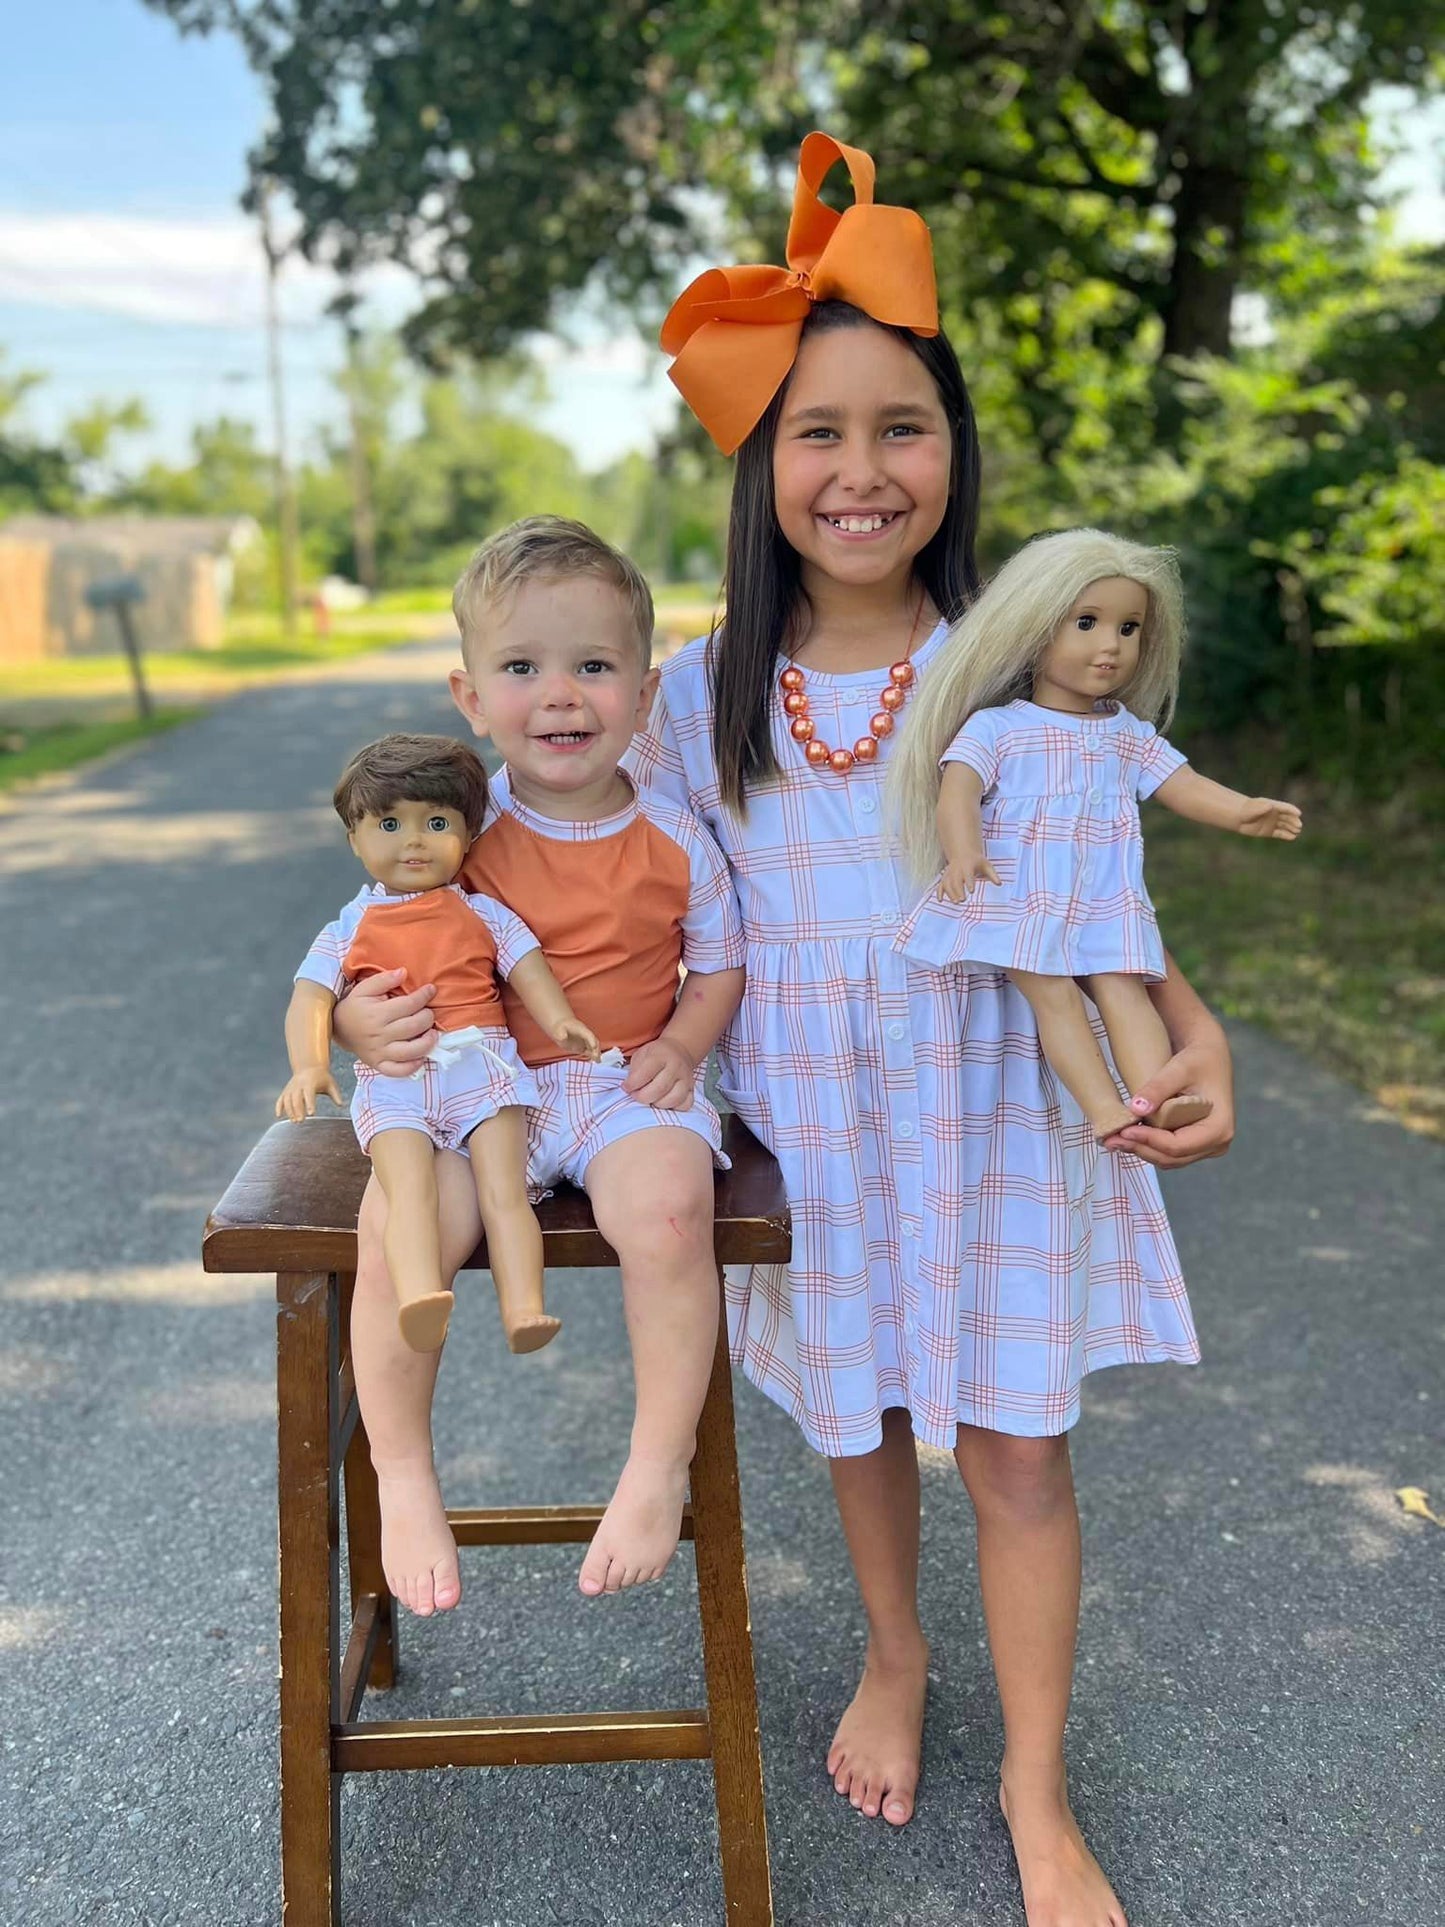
1335	943
255	647
26	754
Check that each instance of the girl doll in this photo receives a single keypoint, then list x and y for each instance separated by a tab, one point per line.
961	1256
411	806
1041	710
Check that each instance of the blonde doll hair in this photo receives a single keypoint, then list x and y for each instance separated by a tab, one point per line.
990	655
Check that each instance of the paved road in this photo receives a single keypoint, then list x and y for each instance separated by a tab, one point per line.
1258	1736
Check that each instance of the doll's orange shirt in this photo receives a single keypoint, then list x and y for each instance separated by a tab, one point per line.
436	938
617	907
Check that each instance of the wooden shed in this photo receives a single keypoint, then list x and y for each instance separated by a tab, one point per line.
47	562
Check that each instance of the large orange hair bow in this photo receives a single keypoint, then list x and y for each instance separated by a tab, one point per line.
735	331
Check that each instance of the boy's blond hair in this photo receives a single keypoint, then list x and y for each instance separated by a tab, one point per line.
547	547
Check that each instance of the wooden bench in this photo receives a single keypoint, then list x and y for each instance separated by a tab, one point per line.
292	1210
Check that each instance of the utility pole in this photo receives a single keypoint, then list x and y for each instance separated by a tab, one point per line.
286	530
363	513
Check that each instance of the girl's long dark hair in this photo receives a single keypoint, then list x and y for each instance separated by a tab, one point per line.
762	585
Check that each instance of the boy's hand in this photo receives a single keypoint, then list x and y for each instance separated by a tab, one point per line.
576	1039
1264	816
298	1100
963	873
663	1075
391	1034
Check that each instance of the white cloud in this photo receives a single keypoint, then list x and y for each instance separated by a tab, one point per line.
198	273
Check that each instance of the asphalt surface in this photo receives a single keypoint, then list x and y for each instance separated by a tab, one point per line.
1257	1734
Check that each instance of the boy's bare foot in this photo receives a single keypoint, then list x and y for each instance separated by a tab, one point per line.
1175	1112
424	1321
877	1750
418	1552
531	1332
1064	1885
638	1532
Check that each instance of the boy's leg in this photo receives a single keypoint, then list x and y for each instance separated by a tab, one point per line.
875	1753
404	1164
1073	1050
498	1150
652	1197
1028	1567
394	1387
1140	1044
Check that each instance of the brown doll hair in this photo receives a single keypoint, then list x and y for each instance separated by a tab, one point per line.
413	769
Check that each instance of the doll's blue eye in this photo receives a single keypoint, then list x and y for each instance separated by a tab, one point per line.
389	823
438	824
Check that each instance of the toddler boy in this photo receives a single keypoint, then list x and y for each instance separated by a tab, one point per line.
620	887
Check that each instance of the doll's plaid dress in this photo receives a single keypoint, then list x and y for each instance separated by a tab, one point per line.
960	1247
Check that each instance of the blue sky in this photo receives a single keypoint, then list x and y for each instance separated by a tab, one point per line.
126	267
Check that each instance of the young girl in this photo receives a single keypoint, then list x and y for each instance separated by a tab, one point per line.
961	1256
1041	710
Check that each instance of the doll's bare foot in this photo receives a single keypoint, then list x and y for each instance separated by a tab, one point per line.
1064	1885
874	1758
418	1552
638	1533
530	1332
1175	1112
1110	1119
424	1321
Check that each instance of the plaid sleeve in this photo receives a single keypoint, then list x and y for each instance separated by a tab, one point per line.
712	929
654	758
508	932
1156	759
976	744
324	963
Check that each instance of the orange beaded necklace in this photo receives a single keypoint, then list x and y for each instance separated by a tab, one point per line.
892	697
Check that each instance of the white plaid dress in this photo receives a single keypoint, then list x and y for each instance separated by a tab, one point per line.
960	1246
1060	813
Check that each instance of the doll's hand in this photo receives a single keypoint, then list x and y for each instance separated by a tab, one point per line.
298	1100
1264	816
391	1034
1203	1067
962	873
576	1039
663	1075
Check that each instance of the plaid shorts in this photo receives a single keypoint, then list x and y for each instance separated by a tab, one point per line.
581	1108
448	1101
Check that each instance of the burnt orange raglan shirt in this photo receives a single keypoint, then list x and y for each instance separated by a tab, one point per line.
617	906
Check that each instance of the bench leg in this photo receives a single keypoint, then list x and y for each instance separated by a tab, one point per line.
363	1528
307	1355
727	1646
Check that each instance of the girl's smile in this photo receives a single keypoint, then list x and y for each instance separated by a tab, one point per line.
861	458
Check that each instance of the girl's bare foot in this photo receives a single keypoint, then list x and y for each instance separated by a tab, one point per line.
638	1533
877	1750
418	1552
1064	1885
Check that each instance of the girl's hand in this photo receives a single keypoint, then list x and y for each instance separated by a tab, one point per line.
298	1100
1264	816
963	873
1203	1067
391	1034
576	1039
663	1075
